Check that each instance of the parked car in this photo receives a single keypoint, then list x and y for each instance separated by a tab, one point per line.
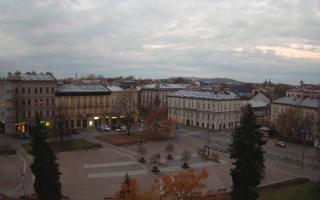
122	128
103	128
75	131
280	144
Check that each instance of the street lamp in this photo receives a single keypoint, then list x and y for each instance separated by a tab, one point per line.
304	147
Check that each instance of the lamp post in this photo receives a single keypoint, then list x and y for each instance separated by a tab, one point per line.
304	148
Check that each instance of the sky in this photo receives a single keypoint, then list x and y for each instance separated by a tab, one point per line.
245	40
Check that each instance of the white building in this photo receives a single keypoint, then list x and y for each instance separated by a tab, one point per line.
6	107
207	109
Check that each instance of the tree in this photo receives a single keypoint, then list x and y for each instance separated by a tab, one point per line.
186	155
128	107
155	116
44	167
293	122
181	186
155	158
141	151
169	149
248	157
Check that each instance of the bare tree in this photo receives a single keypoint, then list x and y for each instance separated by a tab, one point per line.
293	122
186	156
169	149
141	151
128	107
155	159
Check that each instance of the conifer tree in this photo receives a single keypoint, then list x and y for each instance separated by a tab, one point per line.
248	157
44	167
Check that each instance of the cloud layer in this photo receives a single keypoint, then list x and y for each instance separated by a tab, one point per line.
246	40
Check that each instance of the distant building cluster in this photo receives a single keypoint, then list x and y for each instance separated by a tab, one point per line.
94	100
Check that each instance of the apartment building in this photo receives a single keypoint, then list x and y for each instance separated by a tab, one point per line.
206	109
156	95
6	107
32	94
82	105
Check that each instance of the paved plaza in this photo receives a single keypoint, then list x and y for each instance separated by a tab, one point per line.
96	174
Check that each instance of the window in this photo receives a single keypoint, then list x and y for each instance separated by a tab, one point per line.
40	90
23	114
47	101
35	90
35	113
40	102
48	113
35	101
29	90
52	112
16	91
23	102
52	89
29	114
23	90
29	102
40	112
47	90
52	101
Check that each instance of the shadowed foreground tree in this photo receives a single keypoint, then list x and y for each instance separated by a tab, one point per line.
44	167
248	157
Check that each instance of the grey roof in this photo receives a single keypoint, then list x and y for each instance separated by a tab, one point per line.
205	95
37	77
115	88
299	101
257	103
164	86
82	89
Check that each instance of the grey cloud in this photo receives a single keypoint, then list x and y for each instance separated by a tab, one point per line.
174	38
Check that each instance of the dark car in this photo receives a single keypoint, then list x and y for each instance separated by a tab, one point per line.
75	131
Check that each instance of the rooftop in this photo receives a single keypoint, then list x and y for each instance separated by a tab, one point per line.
115	88
257	103
205	95
299	101
82	89
32	76
164	86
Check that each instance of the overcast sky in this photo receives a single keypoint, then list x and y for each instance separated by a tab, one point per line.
244	40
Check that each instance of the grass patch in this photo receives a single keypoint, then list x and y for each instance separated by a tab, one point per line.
305	191
7	150
68	145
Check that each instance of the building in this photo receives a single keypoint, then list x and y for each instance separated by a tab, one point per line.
82	105
6	107
33	94
207	109
303	91
306	107
156	95
261	107
122	102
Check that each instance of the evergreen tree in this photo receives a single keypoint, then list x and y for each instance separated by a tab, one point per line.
44	166
248	157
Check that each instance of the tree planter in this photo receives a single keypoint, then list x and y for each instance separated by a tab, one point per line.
169	157
185	166
155	169
142	160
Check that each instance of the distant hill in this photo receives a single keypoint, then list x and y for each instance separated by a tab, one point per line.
212	80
